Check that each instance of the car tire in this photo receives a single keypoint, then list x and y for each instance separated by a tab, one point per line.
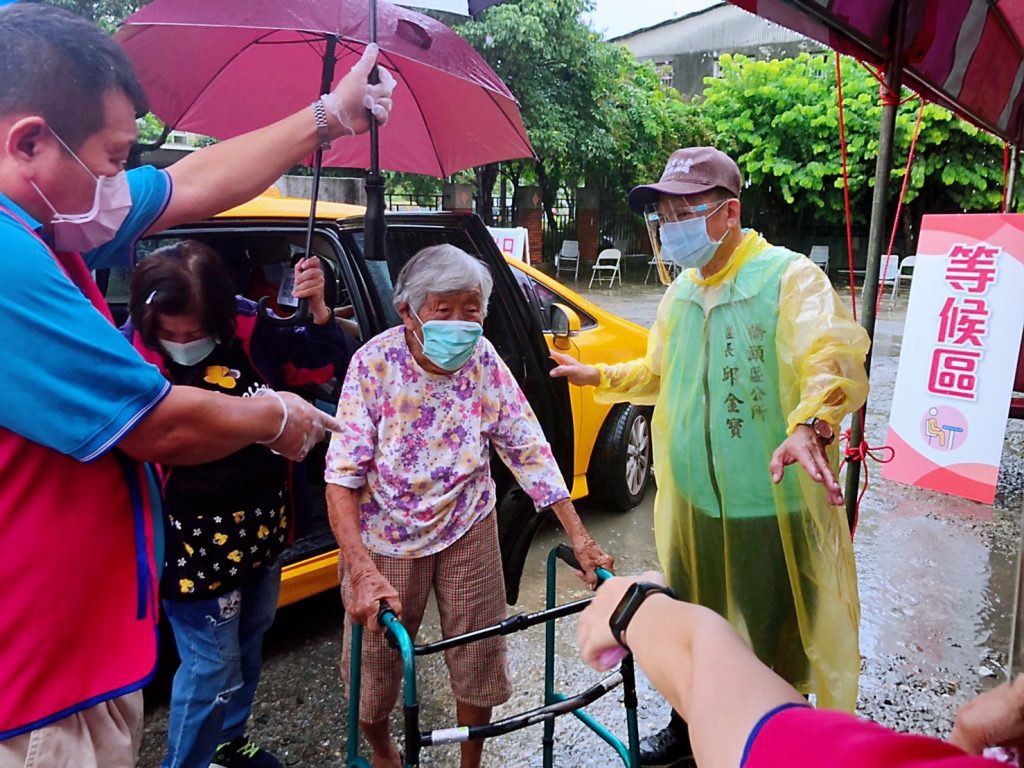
620	466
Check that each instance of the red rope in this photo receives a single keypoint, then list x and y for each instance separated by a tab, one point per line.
846	187
886	96
899	204
882	454
1006	174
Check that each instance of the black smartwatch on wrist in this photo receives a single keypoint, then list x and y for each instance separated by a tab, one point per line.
630	602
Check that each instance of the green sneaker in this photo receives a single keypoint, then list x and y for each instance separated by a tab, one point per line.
242	753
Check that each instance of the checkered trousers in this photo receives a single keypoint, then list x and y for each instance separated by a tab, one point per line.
470	592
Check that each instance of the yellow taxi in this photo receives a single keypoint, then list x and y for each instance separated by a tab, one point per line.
612	460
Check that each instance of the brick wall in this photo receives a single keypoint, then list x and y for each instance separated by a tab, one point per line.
529	215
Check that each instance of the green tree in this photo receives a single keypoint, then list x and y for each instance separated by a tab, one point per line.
592	111
106	13
641	122
780	120
548	59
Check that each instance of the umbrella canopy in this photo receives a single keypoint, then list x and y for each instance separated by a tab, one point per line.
228	67
964	55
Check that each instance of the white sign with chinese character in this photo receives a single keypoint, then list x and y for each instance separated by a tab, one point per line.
512	241
959	354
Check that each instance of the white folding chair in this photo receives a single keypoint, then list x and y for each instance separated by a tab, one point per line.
888	269
907	263
607	267
652	268
652	265
819	255
568	258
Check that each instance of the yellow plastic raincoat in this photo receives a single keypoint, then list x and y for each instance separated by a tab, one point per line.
734	363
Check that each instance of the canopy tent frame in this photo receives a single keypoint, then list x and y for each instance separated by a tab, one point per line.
897	74
876	229
889	52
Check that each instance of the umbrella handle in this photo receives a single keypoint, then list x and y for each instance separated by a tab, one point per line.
301	316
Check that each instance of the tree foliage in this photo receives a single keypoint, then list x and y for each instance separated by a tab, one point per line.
106	13
780	121
590	108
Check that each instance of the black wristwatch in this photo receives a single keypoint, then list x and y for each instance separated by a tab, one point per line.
822	429
630	602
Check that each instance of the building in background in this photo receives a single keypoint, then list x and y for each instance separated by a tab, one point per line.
686	49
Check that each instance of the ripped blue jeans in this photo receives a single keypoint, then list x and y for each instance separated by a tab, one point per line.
220	642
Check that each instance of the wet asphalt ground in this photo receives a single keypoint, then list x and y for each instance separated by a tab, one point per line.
936	577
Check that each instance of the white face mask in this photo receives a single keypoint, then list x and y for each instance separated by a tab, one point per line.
191	352
85	231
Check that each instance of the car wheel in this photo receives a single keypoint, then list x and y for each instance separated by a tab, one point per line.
620	466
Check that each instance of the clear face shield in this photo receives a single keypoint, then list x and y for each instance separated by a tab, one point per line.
679	235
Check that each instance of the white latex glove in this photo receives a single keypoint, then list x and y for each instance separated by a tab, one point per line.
302	425
354	98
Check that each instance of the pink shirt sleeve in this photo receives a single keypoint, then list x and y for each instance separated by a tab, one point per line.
803	737
352	449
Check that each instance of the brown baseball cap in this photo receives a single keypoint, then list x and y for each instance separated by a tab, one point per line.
690	171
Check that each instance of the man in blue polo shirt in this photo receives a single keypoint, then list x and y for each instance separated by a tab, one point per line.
79	410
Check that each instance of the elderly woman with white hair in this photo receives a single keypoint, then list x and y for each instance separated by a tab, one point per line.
410	493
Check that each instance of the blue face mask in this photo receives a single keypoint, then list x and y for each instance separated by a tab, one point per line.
448	344
687	242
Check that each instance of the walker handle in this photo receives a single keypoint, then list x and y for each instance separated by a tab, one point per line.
384	614
612	656
566	555
383	611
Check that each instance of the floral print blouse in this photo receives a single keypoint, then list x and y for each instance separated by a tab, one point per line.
417	444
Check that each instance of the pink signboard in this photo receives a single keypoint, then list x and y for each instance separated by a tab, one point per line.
512	241
959	354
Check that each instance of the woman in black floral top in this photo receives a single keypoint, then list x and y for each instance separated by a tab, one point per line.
228	520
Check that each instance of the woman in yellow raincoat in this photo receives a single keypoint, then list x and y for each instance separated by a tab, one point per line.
752	363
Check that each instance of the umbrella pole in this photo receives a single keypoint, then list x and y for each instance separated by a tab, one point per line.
373	231
883	167
326	80
301	316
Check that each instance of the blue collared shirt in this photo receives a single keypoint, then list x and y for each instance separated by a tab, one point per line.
71	381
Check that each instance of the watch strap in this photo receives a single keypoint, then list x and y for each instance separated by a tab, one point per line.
631	601
813	424
323	132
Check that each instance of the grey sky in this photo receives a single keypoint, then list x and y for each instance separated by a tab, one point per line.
616	17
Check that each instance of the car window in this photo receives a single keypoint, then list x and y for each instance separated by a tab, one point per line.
257	259
404	242
540	297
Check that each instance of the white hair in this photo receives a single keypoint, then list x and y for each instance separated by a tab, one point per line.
441	269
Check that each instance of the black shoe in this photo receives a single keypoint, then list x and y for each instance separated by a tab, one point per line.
669	747
242	753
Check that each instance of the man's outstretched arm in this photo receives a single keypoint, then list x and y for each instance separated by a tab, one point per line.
231	172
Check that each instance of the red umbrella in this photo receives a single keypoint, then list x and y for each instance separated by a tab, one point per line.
223	68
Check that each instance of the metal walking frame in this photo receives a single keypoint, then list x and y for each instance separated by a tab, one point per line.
555	703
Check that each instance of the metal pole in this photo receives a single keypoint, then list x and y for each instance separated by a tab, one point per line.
302	315
1011	179
1016	662
879	219
504	199
374	184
